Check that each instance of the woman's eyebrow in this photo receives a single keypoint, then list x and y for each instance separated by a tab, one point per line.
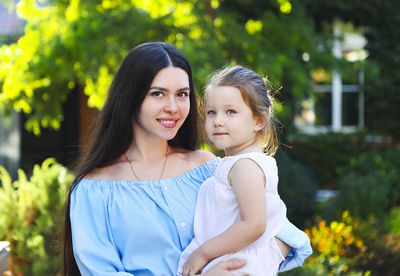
158	88
165	89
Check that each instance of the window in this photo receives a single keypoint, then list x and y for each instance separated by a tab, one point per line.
337	103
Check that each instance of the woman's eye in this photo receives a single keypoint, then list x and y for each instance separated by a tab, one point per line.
183	94
211	112
230	111
157	93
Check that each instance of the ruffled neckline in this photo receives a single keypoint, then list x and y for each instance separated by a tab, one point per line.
189	173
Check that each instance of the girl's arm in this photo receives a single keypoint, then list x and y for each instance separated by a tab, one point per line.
248	181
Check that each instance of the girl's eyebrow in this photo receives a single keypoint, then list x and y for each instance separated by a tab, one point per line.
165	89
230	106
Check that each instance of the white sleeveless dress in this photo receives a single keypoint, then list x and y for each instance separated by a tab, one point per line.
217	209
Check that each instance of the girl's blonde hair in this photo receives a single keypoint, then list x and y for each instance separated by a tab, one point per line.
257	94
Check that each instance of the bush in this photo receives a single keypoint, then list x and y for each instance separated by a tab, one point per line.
364	195
392	222
351	247
31	212
327	154
383	247
370	185
297	188
336	249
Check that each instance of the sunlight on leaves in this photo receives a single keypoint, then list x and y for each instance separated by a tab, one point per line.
285	6
253	27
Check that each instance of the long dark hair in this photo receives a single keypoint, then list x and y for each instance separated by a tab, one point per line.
113	132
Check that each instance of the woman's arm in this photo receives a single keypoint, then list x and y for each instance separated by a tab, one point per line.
247	180
94	250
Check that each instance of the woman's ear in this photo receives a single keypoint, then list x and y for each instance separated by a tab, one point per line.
260	121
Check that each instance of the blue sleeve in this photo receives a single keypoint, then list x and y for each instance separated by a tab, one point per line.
300	243
93	246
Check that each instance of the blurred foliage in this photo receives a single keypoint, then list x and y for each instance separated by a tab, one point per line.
297	187
383	246
81	43
327	154
392	221
351	247
336	239
336	249
370	184
31	214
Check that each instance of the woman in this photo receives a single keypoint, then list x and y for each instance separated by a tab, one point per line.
130	210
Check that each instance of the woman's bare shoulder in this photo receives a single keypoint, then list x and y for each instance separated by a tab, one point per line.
202	156
195	158
109	172
99	173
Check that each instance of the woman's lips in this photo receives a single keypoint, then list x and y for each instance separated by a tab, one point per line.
168	123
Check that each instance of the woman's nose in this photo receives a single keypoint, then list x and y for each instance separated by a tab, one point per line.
171	105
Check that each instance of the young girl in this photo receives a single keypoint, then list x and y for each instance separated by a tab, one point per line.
238	210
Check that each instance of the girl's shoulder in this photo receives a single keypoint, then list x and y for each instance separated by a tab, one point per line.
258	157
251	161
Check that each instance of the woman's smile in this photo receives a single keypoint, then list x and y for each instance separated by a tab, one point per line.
168	123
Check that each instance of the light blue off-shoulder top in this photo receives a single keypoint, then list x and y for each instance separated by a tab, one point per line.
122	227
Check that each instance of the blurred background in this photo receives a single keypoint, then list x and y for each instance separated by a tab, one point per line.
335	66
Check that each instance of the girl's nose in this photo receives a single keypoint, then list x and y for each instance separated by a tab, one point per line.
218	121
171	106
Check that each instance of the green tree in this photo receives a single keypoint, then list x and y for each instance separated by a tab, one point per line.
70	44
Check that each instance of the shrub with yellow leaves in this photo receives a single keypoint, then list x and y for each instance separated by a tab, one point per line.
336	239
336	249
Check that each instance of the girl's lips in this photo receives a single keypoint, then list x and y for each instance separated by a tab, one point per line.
220	133
168	123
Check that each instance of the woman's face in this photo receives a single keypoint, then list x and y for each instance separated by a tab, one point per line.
166	104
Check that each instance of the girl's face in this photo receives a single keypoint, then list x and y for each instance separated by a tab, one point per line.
230	123
166	104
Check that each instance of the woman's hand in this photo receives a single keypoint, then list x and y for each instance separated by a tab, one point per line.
224	268
195	263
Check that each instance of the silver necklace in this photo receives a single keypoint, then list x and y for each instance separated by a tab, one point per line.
162	169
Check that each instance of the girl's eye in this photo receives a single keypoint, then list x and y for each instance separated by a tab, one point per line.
183	94
230	111
211	112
